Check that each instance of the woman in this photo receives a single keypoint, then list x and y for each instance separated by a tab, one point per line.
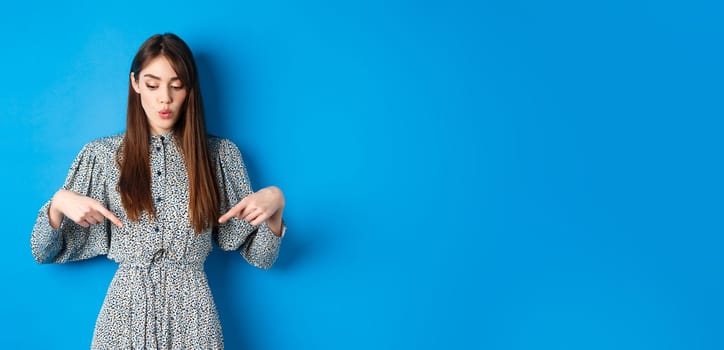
152	199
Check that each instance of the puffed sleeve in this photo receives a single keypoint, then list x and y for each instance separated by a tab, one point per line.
258	245
70	241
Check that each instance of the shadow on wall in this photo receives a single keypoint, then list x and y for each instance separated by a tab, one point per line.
228	296
225	270
213	93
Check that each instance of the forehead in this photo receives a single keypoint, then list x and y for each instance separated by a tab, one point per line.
159	67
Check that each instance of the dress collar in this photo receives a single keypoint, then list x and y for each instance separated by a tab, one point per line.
162	137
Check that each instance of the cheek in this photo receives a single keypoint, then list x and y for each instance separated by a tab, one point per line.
146	98
180	98
147	104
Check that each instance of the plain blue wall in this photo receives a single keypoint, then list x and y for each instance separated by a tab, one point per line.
488	175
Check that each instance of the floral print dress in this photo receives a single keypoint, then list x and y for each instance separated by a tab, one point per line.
159	297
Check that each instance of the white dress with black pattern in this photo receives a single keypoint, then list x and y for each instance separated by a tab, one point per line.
159	297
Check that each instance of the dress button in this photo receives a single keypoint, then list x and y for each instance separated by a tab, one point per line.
158	199
158	173
156	229
162	138
158	148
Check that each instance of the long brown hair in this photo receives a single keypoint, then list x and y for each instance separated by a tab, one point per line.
134	184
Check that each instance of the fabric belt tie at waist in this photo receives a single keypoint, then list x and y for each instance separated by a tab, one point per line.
161	258
154	279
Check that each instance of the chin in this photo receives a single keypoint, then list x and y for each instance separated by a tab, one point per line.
164	125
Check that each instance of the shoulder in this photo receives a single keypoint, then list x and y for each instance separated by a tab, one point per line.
108	143
221	147
104	146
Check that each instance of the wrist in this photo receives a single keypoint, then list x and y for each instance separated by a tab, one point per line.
56	202
55	215
276	224
279	198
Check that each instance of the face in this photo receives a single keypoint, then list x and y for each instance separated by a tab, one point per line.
162	94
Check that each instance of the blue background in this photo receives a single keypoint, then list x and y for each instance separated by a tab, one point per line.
483	175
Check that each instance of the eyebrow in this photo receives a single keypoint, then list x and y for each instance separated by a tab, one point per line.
157	78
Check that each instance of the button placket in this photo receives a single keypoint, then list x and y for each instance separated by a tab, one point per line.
158	185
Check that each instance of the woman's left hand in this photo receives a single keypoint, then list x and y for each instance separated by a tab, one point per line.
259	206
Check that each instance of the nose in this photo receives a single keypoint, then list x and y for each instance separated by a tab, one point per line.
164	96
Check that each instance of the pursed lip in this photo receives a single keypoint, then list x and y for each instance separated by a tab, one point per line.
166	113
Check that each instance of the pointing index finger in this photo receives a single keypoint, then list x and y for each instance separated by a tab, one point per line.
224	218
234	211
107	213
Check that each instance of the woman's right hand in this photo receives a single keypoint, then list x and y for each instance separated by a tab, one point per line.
84	211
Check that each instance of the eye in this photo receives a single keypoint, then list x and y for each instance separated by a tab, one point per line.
179	87
151	86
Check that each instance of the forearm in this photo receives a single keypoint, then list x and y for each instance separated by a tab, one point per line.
55	216
45	241
275	223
